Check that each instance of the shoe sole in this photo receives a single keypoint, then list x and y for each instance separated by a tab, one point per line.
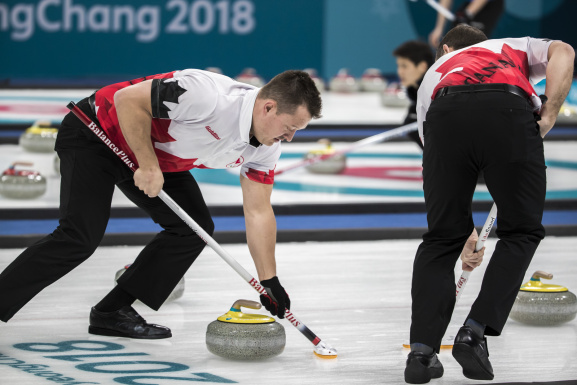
472	367
114	333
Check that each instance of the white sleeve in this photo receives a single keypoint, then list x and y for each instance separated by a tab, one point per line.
187	99
424	96
421	113
537	51
261	168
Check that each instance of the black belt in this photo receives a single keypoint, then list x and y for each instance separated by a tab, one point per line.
483	87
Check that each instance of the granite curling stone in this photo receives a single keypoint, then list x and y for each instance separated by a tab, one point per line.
395	96
319	82
344	82
241	336
543	304
373	81
333	165
250	76
177	292
22	184
39	138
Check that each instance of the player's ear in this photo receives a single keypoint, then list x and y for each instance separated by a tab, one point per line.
270	105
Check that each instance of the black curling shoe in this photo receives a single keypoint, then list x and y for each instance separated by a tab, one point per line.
471	353
421	368
125	322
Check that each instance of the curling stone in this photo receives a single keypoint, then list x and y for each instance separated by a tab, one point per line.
344	82
249	76
215	70
543	304
177	292
320	83
395	96
567	114
22	184
373	81
333	165
39	138
240	336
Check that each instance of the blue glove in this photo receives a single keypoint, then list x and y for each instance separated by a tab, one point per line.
276	300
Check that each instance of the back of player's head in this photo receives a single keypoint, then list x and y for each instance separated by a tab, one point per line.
416	51
461	36
292	89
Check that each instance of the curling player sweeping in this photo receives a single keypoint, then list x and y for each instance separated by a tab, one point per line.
477	111
161	126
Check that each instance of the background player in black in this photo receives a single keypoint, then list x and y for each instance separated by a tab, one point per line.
481	14
413	60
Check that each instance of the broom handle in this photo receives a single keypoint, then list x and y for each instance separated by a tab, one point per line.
480	243
383	136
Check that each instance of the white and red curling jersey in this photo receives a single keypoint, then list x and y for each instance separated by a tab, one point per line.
521	62
200	119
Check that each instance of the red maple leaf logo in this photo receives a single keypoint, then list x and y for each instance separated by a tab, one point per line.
481	65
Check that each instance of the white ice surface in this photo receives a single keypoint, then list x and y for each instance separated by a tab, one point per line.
353	295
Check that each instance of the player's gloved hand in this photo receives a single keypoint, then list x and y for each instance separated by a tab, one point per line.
276	300
462	18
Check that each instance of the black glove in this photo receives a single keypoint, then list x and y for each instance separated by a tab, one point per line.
461	17
276	300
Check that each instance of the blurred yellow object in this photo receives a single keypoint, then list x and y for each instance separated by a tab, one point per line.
35	130
331	165
567	114
40	137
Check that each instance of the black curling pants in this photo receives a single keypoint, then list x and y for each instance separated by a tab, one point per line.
495	132
90	170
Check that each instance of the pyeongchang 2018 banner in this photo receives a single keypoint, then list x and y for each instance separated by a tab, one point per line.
110	38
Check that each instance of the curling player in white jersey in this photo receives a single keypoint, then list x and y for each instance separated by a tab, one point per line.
477	111
168	124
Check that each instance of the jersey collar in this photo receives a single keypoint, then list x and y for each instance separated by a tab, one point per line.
246	117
